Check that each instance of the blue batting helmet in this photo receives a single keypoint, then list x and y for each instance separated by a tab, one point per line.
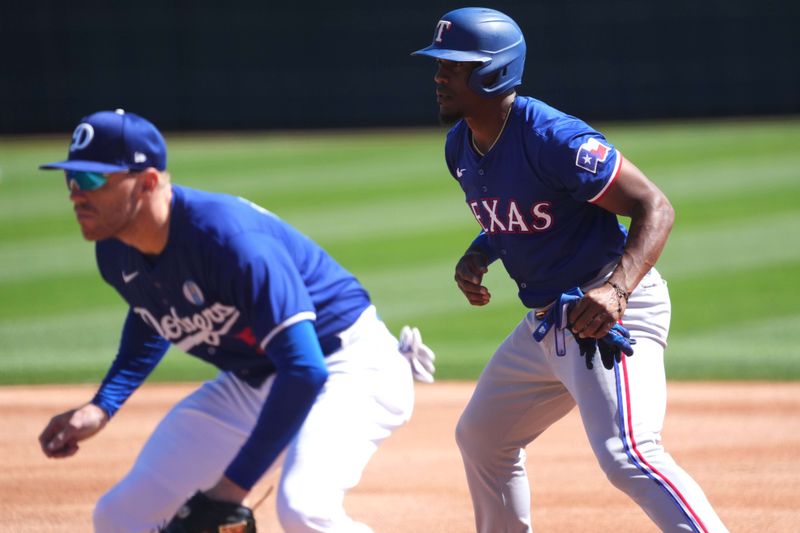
486	36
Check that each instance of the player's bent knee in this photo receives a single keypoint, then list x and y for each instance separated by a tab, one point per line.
304	513
473	440
291	519
620	474
108	514
121	510
622	467
466	436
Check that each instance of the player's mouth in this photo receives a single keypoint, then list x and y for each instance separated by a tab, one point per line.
84	214
443	98
443	94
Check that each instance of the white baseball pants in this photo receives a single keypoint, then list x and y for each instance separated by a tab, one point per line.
368	395
526	387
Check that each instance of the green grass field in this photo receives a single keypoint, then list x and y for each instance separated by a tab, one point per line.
384	205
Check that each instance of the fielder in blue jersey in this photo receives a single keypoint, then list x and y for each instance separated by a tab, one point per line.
310	378
545	189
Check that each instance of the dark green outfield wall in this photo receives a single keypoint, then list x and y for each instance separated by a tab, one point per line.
263	65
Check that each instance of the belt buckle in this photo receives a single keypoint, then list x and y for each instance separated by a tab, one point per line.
542	312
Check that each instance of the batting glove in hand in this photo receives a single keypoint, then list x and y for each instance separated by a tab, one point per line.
616	342
419	356
201	514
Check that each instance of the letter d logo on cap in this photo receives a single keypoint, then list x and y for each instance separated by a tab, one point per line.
81	137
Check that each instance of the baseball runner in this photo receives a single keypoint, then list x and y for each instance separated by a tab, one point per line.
546	190
309	378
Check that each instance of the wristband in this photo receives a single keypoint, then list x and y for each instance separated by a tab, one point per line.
621	293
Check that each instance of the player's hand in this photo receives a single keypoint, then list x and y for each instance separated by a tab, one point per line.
61	436
597	312
611	347
469	274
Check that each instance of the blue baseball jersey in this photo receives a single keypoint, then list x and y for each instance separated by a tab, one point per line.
232	277
532	196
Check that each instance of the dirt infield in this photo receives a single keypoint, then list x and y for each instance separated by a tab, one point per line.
740	441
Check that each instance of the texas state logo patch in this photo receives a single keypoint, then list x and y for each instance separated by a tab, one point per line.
590	154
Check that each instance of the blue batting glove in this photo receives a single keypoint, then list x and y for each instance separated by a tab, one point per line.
616	342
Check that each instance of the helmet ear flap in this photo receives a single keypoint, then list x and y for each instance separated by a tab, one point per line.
500	74
479	80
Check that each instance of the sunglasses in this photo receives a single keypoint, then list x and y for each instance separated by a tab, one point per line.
84	181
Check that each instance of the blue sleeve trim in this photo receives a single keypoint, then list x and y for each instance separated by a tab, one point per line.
299	317
481	243
140	350
301	374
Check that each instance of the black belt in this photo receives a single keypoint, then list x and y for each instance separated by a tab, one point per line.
255	376
330	344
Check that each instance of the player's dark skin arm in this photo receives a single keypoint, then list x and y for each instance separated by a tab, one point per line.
630	195
469	274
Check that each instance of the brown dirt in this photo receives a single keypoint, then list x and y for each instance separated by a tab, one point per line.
741	442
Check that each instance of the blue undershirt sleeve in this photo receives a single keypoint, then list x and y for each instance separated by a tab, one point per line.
140	350
301	374
481	243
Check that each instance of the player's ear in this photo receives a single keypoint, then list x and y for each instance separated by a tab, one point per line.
149	179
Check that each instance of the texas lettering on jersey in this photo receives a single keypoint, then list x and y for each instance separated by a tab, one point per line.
494	217
186	332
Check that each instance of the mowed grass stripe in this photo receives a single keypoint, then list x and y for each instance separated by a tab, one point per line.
175	366
696	143
718	179
429	290
29	228
40	259
768	200
758	348
403	254
60	295
77	347
735	297
717	247
385	219
30	204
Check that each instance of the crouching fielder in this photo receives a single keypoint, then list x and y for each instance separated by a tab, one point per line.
309	378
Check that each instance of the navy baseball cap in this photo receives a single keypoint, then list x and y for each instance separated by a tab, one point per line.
114	141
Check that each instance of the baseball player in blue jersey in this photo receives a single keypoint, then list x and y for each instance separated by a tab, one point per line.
309	378
546	190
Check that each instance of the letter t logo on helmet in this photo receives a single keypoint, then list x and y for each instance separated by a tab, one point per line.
481	35
441	27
